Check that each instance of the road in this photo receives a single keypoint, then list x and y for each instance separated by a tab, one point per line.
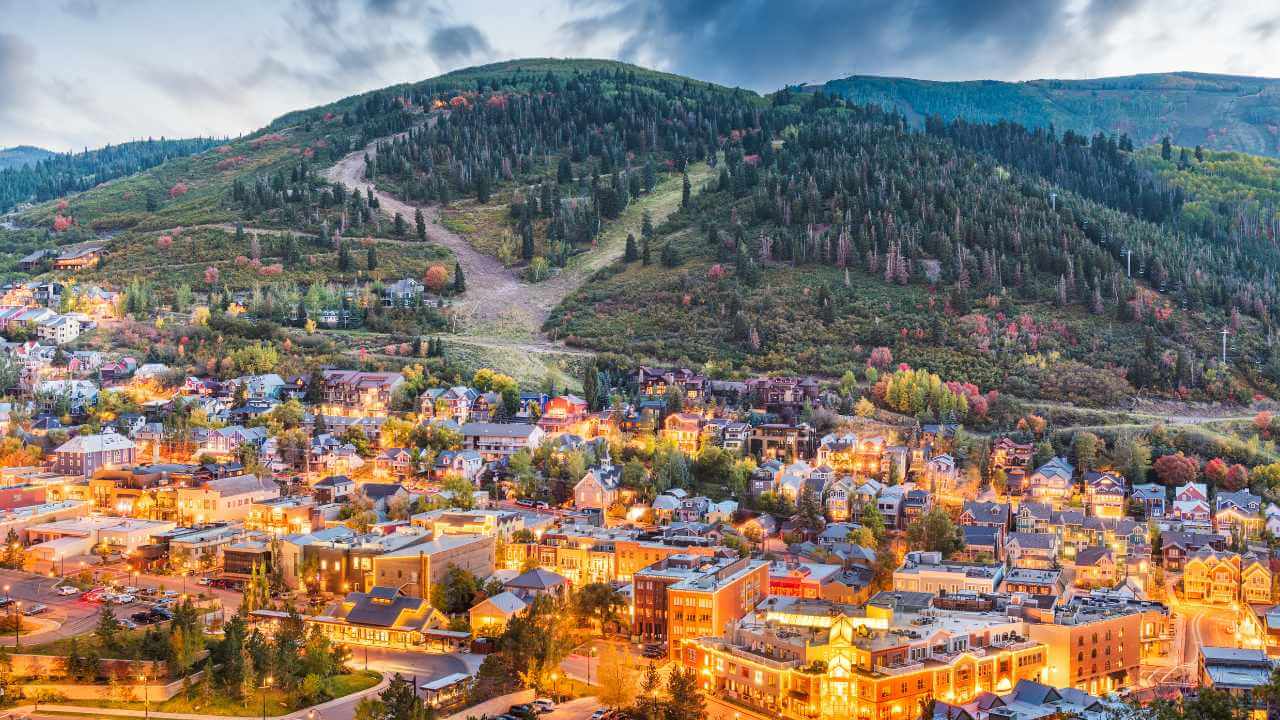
1199	626
73	615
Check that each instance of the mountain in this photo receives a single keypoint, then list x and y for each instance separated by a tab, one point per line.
53	175
651	217
22	155
1223	112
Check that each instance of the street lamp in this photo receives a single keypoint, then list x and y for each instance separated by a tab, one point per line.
146	696
266	683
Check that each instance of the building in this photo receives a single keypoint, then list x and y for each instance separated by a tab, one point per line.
1151	497
224	499
808	580
414	569
1032	550
1213	576
382	618
351	392
688	596
1034	582
599	487
562	414
1240	673
813	660
1097	642
501	440
1104	494
283	516
684	430
490	616
1051	482
654	382
1096	567
84	454
780	440
492	523
75	537
927	572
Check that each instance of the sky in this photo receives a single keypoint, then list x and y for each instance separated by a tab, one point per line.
83	73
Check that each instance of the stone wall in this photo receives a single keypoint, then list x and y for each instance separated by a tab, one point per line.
53	666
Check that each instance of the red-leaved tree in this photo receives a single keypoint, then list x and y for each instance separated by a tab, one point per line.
1176	469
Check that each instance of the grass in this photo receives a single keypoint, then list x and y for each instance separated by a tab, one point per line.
338	686
126	644
137	255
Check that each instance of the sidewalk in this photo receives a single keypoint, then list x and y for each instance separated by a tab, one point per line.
118	712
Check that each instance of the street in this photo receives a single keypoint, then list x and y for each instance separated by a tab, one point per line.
1199	626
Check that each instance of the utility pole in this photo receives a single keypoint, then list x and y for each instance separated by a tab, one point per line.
1224	333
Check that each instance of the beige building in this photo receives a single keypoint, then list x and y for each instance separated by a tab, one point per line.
1097	643
224	499
414	569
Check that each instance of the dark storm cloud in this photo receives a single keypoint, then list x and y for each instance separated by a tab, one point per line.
775	43
456	43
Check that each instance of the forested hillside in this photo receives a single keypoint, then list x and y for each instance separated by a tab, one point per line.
52	176
1224	112
22	155
990	254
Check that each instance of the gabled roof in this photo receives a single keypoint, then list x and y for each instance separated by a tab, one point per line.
536	579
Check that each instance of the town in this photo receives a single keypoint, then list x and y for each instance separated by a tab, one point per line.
751	541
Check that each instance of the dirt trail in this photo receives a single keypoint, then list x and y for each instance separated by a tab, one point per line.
498	309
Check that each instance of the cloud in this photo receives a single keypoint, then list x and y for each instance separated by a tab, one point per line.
1266	29
17	57
457	43
86	10
766	44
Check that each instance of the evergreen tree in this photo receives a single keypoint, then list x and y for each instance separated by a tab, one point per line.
371	258
108	629
591	385
399	225
670	256
344	257
1166	148
421	223
459	280
526	241
632	253
684	191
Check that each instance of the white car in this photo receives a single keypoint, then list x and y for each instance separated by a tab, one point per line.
129	590
123	599
68	590
545	705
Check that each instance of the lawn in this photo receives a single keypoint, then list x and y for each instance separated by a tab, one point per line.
338	686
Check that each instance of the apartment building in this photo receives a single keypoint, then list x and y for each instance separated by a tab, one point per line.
499	440
655	606
927	572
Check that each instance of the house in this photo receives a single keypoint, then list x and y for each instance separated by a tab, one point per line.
382	494
780	440
500	440
981	543
229	440
1211	576
1255	581
485	407
939	473
598	488
683	430
82	455
1095	567
1177	547
1239	512
561	413
1036	551
1006	454
1241	673
734	436
447	403
397	462
79	256
1051	482
838	497
490	616
345	392
985	514
334	488
58	330
654	382
466	463
404	293
224	499
1104	494
1034	517
1151	497
1191	505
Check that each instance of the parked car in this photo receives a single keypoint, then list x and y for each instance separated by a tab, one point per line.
522	711
142	618
123	599
5	601
127	624
66	590
129	590
546	704
35	609
600	714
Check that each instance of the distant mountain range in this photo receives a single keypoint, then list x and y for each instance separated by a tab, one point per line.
22	155
1223	112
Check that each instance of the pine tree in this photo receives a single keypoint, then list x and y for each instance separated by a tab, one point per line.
684	191
421	223
526	241
399	225
591	385
632	253
459	281
1166	148
371	258
344	257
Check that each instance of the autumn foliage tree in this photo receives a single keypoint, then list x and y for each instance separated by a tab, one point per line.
1237	478
1177	469
437	278
1215	471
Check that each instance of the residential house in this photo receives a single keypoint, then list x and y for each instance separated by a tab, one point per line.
335	488
1096	567
397	462
1035	551
684	430
939	474
1104	494
405	293
1152	498
467	463
599	487
562	413
654	382
1191	506
447	403
1006	454
500	440
1177	547
224	499
1051	483
1239	512
82	455
1212	576
59	329
734	437
79	256
352	392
